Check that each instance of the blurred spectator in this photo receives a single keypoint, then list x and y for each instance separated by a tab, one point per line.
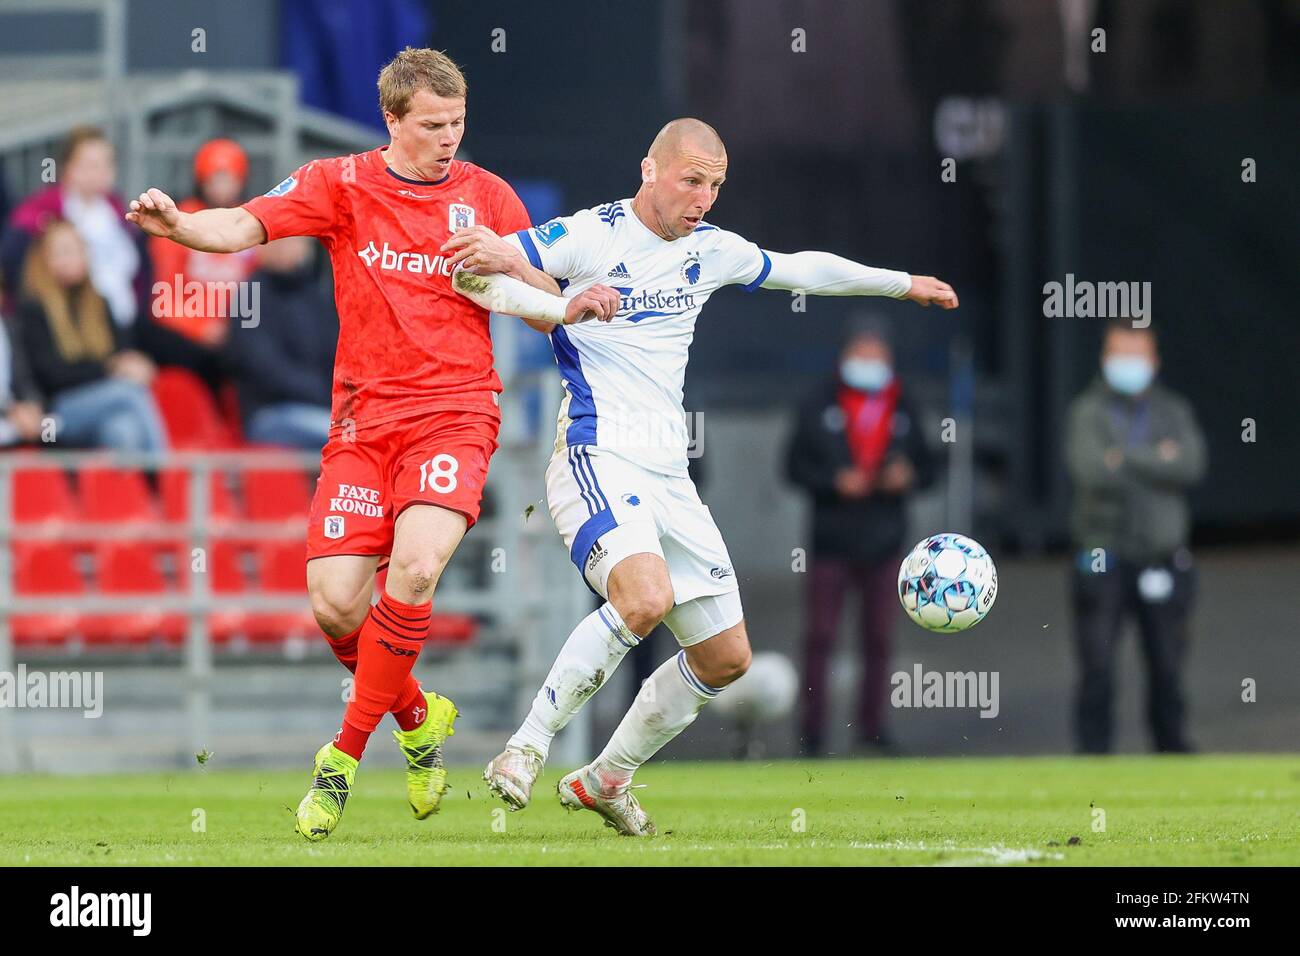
857	449
98	390
120	270
220	172
284	364
83	196
21	406
1133	449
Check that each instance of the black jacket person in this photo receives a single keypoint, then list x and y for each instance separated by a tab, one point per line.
858	450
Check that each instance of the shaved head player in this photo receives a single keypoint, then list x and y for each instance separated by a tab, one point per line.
617	486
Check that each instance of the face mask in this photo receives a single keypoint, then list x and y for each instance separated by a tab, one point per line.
866	375
1128	374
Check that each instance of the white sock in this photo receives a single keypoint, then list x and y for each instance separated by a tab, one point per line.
586	661
667	704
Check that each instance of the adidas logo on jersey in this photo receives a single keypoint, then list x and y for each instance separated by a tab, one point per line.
619	272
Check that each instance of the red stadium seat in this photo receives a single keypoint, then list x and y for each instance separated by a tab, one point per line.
276	494
443	628
190	412
282	569
226	579
42	495
115	495
174	488
131	569
41	570
452	628
228	401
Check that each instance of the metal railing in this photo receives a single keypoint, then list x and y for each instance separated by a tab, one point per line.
531	608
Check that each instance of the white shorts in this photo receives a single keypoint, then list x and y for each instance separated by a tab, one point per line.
607	508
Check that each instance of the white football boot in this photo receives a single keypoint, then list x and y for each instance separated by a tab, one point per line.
512	773
580	790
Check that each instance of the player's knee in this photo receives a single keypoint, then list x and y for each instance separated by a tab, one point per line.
646	607
415	577
740	663
338	613
731	667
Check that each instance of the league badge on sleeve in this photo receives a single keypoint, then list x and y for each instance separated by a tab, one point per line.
459	216
284	187
548	234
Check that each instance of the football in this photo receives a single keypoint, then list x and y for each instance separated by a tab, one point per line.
947	583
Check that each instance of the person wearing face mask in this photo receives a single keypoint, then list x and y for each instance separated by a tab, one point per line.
1133	449
857	449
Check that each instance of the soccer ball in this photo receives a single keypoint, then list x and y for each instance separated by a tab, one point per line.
947	583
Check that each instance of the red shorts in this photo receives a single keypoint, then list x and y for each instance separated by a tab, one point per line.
438	458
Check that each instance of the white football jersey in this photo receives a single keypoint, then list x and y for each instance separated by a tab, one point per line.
623	378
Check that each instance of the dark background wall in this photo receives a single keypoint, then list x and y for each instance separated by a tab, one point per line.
240	34
1132	173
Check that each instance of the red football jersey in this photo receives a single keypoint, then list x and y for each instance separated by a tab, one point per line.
408	342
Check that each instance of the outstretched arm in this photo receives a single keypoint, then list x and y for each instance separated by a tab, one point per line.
507	295
822	273
209	230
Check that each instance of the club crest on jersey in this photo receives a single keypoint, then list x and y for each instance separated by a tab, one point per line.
691	269
284	187
459	216
333	526
548	234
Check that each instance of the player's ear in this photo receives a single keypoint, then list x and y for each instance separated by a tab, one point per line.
648	170
391	122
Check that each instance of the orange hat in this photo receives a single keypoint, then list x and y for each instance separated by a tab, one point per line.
220	155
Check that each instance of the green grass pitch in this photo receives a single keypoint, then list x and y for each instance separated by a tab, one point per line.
1202	810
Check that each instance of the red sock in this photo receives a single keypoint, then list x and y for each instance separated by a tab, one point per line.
410	709
351	740
345	648
411	697
389	643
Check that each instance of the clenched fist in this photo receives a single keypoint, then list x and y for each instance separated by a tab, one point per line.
598	302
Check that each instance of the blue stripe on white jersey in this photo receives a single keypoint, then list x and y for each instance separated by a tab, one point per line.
624	378
582	405
530	248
